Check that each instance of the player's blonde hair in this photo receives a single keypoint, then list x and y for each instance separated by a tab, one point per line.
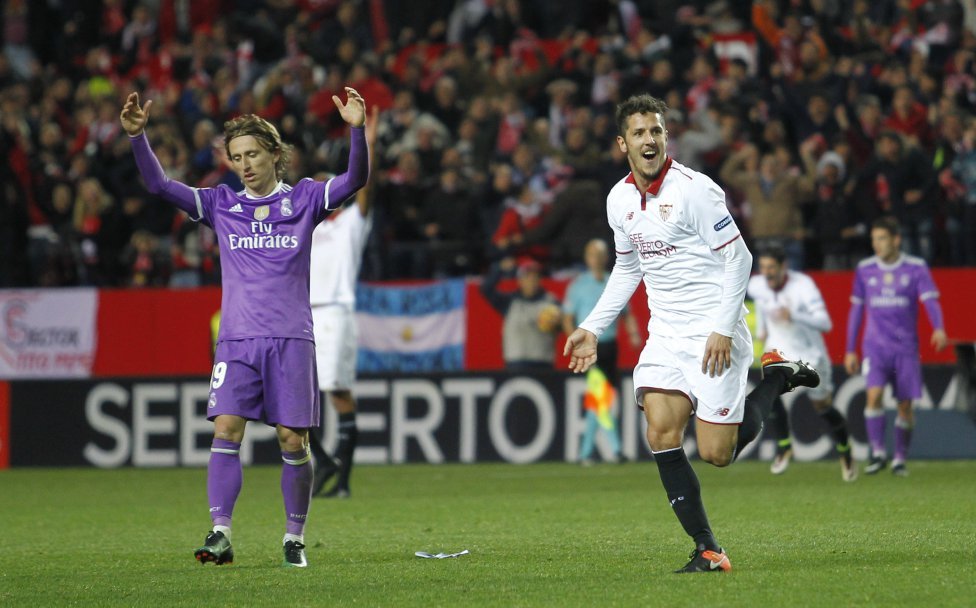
263	131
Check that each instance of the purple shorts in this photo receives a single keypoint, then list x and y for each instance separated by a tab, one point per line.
903	371
268	379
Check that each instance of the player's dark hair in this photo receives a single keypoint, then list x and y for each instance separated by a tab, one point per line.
888	223
263	131
639	104
773	251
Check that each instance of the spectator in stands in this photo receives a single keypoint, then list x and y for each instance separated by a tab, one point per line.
523	212
872	62
573	221
450	226
774	196
531	316
959	180
899	181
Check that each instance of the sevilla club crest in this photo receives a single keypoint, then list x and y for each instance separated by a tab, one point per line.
665	210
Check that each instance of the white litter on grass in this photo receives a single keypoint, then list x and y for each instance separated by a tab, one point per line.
426	555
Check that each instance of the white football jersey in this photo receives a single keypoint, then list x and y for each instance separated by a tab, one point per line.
676	231
337	254
801	336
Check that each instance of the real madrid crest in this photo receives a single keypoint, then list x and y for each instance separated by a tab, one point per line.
262	212
665	210
286	208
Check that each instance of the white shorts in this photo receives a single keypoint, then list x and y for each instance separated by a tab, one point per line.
674	364
334	327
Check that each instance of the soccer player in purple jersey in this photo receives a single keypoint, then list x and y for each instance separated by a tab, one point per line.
887	289
265	358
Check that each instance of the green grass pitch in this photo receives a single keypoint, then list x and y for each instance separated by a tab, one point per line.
539	535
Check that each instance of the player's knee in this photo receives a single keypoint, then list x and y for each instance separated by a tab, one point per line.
228	430
716	457
663	439
291	440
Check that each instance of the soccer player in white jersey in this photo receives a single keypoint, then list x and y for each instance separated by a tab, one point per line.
337	255
672	229
792	318
265	357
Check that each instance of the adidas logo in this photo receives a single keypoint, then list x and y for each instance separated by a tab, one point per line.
237	208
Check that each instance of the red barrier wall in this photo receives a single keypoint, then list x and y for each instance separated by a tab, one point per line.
166	332
155	332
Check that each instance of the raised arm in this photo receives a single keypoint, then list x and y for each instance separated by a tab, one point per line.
134	119
344	185
363	196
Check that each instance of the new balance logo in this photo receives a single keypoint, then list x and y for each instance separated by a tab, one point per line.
237	208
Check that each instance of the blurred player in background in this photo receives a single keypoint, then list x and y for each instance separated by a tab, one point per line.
581	296
265	357
672	229
887	289
792	318
337	254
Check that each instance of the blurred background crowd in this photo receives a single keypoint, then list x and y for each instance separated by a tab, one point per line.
497	137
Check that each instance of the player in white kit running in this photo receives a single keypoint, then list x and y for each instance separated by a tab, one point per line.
792	318
672	229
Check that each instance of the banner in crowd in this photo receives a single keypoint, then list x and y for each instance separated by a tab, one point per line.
47	333
411	328
430	418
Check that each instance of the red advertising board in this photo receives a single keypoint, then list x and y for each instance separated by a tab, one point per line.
166	332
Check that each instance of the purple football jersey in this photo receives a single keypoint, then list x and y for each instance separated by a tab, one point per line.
890	294
265	245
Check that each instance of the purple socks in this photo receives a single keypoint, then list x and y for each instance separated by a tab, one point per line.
874	423
903	438
296	488
224	479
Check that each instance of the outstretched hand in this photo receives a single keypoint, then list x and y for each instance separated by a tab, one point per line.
354	110
134	117
581	349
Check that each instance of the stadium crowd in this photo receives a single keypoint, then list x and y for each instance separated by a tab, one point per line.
497	136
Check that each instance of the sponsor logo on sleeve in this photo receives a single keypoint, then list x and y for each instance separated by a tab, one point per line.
723	223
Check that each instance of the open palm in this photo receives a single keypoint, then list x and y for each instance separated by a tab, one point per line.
354	110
